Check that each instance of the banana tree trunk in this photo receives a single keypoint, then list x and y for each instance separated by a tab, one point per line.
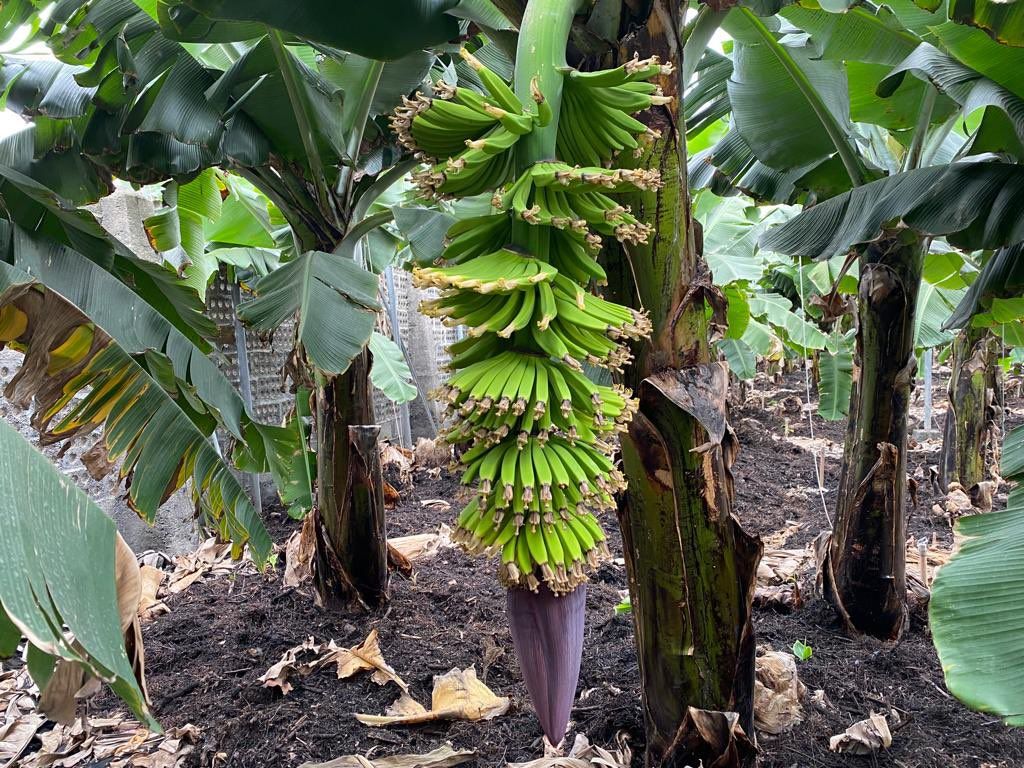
351	543
691	566
970	415
864	571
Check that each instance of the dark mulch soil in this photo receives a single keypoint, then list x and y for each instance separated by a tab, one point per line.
204	658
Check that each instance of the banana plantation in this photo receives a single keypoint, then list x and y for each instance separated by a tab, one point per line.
513	383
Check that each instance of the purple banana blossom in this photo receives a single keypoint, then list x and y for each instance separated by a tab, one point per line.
547	631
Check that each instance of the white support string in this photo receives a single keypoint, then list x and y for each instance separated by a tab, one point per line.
818	472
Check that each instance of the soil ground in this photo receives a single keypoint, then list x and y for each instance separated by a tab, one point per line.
204	658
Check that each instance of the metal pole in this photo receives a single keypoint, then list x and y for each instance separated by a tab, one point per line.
244	383
928	390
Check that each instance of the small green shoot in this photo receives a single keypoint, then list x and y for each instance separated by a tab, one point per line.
802	651
624	607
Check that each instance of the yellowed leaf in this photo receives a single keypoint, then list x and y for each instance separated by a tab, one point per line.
458	695
366	656
583	754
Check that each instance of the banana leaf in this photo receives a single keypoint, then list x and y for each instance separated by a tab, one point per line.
1002	21
390	373
78	327
808	115
336	302
58	551
835	384
974	205
976	612
1001	275
968	88
387	29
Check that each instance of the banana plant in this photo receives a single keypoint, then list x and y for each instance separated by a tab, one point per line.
538	430
989	318
873	175
163	92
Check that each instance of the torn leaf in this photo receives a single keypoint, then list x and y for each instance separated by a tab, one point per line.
366	656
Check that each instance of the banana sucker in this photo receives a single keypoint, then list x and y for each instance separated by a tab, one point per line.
522	280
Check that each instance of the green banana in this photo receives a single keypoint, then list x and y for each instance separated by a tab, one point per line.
519	279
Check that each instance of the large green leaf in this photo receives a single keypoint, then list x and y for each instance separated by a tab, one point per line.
730	165
1003	21
777	311
336	302
835	384
731	226
1001	275
857	35
58	551
981	53
976	611
968	88
807	118
974	205
177	231
934	307
390	373
387	29
741	358
157	410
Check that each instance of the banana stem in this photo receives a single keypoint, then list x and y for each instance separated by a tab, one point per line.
543	36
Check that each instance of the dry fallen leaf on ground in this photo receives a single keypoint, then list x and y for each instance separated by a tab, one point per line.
212	557
296	662
863	738
298	554
777	693
584	755
150	606
310	656
366	656
778	576
431	454
15	735
442	757
458	695
114	742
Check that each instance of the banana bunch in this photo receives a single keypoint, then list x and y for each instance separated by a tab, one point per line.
557	195
533	506
532	395
597	110
540	434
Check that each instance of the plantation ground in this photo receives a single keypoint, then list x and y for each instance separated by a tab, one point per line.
204	658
